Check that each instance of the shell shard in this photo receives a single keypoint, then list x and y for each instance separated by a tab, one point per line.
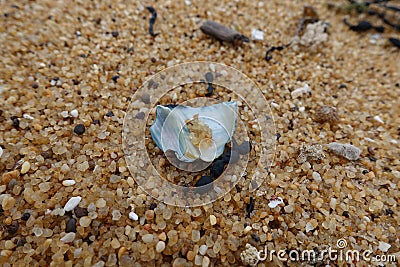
194	133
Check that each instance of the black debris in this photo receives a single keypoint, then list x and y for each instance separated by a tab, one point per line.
268	57
249	207
152	20
389	212
110	114
115	78
71	226
35	86
15	121
209	79
217	168
346	214
79	129
153	206
364	172
21	242
255	237
342	86
25	216
80	212
395	42
96	122
372	158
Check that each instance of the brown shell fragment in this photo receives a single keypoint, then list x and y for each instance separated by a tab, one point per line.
222	33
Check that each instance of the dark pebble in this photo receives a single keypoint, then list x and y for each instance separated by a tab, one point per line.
47	154
153	206
25	216
209	77
96	122
217	168
249	207
361	26
79	129
21	242
115	78
110	114
146	98
342	86
346	214
372	158
395	42
244	148
255	237
364	172
71	226
75	82
15	121
80	212
140	115
380	29
13	228
115	34
35	86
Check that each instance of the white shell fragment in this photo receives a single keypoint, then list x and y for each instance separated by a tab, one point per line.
170	131
72	203
133	216
347	151
1	151
275	202
383	246
300	91
68	238
68	182
257	35
74	113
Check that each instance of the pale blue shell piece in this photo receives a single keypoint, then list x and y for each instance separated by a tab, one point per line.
169	131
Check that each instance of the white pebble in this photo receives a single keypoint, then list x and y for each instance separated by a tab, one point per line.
378	119
300	91
1	151
72	203
68	238
316	176
257	35
383	246
27	116
64	114
74	113
25	167
347	151
274	203
213	220
203	249
160	246
188	2
68	182
133	216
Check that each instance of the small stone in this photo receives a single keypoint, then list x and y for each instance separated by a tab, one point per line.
8	202
383	246
257	35
71	226
85	221
9	244
68	182
115	244
26	166
289	208
347	151
8	176
326	114
300	91
80	212
179	262
25	216
206	261
116	215
101	203
64	114
250	255
160	246
190	255
203	249
147	238
74	113
72	203
376	205
115	178
68	238
13	227
196	235
15	121
316	176
115	79
79	129
1	151
133	216
213	220
149	215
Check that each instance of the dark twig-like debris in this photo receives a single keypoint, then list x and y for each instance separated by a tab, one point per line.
152	20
